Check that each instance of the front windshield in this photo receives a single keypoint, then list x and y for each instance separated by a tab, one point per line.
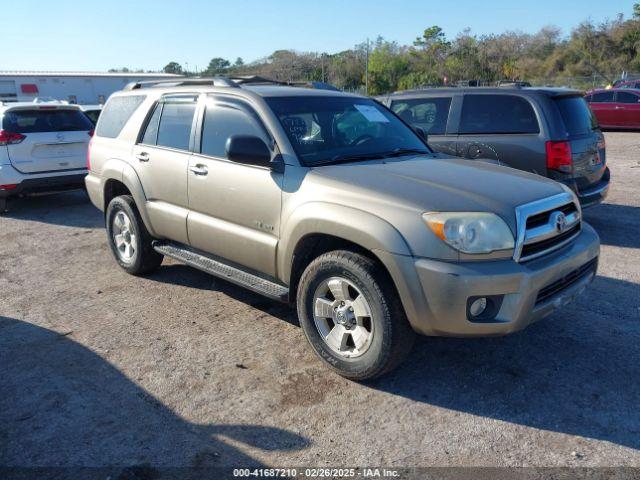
325	130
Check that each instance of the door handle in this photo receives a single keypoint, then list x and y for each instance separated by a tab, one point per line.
199	170
143	156
619	108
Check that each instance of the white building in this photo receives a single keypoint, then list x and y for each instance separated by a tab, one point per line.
84	88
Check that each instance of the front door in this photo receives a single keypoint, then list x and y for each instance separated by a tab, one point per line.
234	208
604	108
161	160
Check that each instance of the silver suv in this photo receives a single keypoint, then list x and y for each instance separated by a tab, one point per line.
43	148
330	202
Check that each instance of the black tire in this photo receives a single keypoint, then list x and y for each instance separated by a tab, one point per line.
144	258
3	205
392	336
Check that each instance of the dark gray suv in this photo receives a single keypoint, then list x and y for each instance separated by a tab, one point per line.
547	131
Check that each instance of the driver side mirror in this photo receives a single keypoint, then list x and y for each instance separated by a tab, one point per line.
248	149
421	133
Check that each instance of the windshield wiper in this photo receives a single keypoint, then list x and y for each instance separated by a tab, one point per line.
350	158
405	151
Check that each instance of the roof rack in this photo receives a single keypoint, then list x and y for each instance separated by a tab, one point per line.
224	81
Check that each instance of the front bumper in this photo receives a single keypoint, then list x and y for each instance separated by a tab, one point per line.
438	304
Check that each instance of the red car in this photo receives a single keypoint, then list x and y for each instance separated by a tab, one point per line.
616	108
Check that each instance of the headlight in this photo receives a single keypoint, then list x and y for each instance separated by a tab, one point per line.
470	232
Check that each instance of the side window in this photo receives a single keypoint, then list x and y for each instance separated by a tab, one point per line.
116	113
151	133
220	122
430	114
174	130
602	97
497	114
626	97
589	98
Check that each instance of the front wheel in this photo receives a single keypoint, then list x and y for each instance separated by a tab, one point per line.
352	316
129	239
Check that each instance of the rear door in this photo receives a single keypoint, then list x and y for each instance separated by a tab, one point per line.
55	138
431	114
161	161
628	104
604	108
586	140
502	127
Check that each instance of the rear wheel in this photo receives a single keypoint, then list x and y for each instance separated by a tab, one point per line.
3	205
129	239
352	316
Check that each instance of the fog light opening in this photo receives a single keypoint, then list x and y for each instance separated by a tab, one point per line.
484	309
478	307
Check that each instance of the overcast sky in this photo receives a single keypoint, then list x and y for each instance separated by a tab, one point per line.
75	35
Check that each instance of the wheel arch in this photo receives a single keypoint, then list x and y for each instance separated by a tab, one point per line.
121	179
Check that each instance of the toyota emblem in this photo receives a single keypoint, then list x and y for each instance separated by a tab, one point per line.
559	221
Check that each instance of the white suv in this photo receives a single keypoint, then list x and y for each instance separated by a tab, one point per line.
43	148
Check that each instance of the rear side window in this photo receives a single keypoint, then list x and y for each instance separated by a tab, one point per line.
41	121
116	113
430	114
497	114
602	97
93	115
626	97
576	114
222	121
176	120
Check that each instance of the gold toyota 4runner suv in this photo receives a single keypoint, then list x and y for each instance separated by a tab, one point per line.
330	202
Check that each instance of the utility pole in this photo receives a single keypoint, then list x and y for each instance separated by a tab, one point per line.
366	71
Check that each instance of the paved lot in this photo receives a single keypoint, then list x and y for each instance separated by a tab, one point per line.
101	368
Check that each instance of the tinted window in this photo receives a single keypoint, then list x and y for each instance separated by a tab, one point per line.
35	121
174	130
116	113
576	115
93	115
430	114
497	114
222	121
333	129
626	97
602	97
151	133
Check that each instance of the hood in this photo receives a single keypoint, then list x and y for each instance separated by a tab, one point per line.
434	184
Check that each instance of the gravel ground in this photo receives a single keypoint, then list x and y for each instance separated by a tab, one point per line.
180	369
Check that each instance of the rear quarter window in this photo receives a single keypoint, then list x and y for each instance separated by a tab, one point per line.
116	113
497	114
44	120
576	115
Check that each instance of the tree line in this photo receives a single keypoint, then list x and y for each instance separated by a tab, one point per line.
590	54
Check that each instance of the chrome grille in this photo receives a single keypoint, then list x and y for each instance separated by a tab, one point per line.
546	225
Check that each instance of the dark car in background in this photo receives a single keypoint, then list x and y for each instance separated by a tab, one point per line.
616	107
547	131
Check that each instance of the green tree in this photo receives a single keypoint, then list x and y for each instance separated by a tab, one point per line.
217	65
172	67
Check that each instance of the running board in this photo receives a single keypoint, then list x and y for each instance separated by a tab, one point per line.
216	267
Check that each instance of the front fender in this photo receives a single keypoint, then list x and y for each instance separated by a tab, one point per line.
357	226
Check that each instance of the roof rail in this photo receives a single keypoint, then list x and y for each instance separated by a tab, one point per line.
224	81
185	82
